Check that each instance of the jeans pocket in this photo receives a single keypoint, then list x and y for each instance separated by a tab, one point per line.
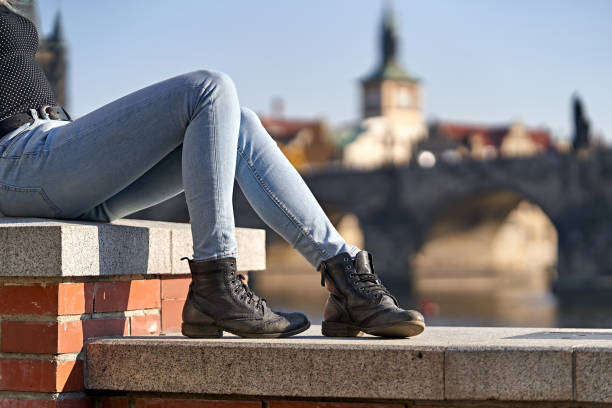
9	139
18	201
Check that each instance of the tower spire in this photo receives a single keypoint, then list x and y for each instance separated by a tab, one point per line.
57	35
389	66
389	35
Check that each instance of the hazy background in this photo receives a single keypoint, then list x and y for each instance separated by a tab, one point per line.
486	61
487	204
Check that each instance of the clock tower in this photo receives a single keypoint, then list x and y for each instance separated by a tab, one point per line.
390	91
392	118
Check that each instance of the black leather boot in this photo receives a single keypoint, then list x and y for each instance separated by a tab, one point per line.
358	302
219	301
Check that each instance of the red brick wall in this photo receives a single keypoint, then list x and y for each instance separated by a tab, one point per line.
43	326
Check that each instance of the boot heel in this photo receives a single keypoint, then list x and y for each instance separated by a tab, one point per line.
201	332
332	329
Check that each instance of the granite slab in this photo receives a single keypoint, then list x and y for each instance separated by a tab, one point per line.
33	247
443	363
593	366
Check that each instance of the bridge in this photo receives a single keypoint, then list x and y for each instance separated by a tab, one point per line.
398	207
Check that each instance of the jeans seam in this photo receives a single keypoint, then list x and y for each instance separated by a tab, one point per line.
10	144
222	255
281	206
10	187
209	100
216	168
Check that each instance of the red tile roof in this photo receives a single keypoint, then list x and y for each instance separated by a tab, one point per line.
283	130
492	135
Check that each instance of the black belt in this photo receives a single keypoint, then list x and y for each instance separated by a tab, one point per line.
46	112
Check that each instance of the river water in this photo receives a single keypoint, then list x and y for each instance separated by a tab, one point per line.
484	299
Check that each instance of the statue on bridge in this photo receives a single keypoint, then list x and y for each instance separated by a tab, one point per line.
581	126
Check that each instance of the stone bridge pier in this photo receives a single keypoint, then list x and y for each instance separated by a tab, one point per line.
394	238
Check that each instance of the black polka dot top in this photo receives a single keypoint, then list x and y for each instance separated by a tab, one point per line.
23	84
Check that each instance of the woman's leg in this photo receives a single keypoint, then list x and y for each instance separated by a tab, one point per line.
162	182
270	183
86	162
358	301
280	196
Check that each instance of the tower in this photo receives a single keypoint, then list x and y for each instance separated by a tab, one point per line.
392	119
52	58
390	91
52	55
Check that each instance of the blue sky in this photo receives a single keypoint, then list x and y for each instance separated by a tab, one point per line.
480	60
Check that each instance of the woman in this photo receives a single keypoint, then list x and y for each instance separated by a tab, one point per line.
188	133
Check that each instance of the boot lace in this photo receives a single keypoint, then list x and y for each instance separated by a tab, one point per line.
242	289
365	281
244	292
370	284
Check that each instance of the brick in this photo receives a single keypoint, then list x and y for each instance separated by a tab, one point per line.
114	402
46	298
70	337
70	376
41	337
75	298
175	287
145	325
76	403
126	295
315	404
40	375
171	315
21	403
29	337
105	327
36	298
27	375
193	403
57	338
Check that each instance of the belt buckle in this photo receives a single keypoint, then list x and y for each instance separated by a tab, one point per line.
43	112
67	114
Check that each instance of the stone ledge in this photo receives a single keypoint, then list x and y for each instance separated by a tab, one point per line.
444	363
33	247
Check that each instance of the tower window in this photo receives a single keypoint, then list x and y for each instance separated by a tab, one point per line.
372	99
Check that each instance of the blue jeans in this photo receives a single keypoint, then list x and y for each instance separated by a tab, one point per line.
187	133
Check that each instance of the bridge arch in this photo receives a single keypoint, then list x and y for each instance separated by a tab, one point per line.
492	255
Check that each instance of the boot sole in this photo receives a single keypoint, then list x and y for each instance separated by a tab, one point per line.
272	335
201	332
213	332
397	330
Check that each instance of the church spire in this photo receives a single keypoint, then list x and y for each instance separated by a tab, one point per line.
389	35
389	66
57	35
